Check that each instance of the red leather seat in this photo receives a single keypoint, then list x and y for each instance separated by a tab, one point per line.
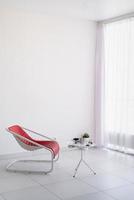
53	145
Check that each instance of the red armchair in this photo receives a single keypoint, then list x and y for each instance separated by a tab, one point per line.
31	144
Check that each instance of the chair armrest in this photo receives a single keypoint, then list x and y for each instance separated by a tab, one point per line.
52	139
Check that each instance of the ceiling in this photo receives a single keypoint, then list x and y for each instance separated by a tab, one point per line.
86	9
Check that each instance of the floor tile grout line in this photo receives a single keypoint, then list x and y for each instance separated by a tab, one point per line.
110	196
92	193
118	187
30	187
3	197
92	186
42	186
68	180
51	182
101	190
23	188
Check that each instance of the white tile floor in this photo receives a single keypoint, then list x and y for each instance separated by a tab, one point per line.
114	179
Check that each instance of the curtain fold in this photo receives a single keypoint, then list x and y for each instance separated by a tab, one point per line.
99	73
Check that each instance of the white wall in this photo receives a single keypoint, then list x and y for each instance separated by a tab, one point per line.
46	75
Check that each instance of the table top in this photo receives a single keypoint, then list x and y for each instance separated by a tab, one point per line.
81	145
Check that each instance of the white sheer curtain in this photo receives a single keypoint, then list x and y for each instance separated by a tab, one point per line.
98	104
119	85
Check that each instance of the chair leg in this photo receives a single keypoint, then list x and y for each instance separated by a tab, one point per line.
8	168
57	158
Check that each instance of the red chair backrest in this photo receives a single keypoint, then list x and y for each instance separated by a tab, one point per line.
18	130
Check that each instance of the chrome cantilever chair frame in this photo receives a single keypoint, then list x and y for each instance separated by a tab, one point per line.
38	146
